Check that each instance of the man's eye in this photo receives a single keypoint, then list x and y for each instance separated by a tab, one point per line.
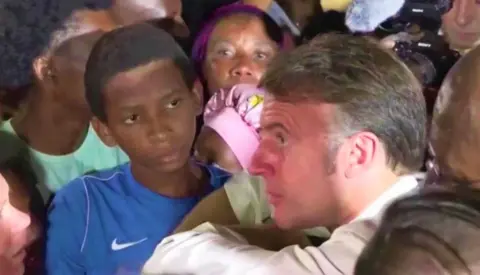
173	104
132	119
280	138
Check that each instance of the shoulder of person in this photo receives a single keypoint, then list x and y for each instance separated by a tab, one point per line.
80	187
347	242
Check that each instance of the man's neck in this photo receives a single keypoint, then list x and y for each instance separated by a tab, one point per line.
49	127
364	195
188	181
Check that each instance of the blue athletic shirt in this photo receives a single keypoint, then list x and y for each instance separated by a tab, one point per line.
108	224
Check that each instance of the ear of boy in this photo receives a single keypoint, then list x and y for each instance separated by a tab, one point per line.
103	132
44	73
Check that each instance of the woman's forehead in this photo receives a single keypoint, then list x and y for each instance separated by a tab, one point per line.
240	21
252	31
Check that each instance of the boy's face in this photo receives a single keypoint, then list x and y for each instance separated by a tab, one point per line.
151	115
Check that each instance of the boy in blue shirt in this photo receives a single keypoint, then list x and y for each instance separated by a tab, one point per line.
142	92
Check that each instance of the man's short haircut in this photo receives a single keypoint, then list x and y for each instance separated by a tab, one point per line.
433	232
371	88
127	48
30	27
455	131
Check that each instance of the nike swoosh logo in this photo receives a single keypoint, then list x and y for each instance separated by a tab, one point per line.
116	246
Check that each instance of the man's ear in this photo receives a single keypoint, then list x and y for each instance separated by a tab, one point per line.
198	94
44	72
361	151
103	132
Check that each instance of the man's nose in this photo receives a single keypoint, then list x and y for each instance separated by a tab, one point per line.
464	12
263	163
15	219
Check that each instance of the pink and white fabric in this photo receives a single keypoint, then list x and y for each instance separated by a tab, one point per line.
235	115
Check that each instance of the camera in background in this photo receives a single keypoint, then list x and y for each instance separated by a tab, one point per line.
423	48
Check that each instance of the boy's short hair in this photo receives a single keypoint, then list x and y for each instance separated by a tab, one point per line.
127	48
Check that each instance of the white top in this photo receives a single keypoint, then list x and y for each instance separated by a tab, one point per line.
211	249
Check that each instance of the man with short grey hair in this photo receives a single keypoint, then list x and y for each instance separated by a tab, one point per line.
343	126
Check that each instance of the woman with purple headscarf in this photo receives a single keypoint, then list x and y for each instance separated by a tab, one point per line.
235	46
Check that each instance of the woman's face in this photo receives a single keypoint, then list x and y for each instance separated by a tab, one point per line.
17	231
238	51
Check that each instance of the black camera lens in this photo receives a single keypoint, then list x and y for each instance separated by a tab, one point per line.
422	67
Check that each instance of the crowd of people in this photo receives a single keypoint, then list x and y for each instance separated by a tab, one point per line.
231	137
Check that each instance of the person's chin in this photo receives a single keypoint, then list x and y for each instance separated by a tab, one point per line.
170	163
463	43
281	218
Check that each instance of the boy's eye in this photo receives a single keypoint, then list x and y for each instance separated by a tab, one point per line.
132	119
173	104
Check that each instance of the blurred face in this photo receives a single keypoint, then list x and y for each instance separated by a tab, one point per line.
67	69
16	229
238	51
60	71
462	24
210	148
293	160
151	114
133	11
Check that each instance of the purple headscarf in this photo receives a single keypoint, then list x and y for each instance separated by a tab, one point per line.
199	50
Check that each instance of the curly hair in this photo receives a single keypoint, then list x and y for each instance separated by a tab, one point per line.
29	27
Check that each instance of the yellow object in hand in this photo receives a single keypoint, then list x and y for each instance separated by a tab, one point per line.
336	5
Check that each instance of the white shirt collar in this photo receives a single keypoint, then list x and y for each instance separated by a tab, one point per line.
402	187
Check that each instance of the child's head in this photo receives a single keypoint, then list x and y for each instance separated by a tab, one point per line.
434	232
141	89
229	137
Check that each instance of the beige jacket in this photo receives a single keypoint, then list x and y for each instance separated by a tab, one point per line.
217	250
210	249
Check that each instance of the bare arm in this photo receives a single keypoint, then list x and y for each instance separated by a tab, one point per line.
215	208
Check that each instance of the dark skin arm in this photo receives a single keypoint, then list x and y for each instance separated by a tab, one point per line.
216	209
